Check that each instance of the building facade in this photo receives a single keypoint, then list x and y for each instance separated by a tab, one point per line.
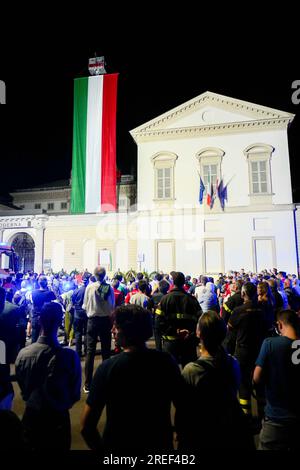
223	141
218	139
46	236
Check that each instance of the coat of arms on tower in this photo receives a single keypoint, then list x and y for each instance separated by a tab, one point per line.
97	65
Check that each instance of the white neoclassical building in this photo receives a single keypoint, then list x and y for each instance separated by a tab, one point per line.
214	137
217	138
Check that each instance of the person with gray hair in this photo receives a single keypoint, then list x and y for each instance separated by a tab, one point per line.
99	302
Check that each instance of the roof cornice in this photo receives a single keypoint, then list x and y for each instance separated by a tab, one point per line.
224	102
212	129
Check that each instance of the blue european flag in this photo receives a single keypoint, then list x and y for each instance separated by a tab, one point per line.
201	192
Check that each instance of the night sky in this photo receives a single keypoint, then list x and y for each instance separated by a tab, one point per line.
36	122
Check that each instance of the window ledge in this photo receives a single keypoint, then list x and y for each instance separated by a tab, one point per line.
169	199
265	198
261	194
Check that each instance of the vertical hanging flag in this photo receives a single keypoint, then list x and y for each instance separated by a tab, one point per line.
224	196
94	144
208	194
201	191
220	189
212	196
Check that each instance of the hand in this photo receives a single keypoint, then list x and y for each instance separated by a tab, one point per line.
183	334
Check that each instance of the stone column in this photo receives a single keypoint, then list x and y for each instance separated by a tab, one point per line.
1	240
38	223
39	250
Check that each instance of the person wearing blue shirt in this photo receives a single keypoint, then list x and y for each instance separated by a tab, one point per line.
278	368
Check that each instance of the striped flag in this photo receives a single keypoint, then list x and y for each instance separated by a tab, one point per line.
94	144
208	194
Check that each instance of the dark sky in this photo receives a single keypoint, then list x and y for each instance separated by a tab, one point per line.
36	122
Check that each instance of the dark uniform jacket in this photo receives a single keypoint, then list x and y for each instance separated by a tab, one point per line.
247	330
77	301
234	301
177	310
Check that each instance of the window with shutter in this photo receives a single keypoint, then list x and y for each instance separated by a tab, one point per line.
259	164
164	164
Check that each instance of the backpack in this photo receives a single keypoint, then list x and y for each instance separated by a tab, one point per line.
103	291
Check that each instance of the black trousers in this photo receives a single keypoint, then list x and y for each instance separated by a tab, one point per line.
157	334
183	350
80	330
97	327
46	429
35	329
246	360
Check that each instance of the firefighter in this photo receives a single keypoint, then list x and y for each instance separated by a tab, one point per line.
176	319
235	300
245	334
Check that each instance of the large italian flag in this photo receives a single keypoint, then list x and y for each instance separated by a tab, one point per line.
94	144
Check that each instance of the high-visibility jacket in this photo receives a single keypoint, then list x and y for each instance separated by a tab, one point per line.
177	311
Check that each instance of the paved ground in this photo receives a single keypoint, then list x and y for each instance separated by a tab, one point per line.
77	441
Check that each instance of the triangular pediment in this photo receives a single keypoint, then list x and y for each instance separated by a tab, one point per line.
211	109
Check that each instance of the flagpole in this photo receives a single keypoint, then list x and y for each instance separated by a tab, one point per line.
229	180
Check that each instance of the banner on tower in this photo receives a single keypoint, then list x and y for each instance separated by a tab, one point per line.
93	178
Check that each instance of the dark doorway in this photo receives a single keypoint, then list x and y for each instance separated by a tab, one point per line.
23	245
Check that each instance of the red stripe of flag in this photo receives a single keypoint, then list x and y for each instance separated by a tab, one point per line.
108	160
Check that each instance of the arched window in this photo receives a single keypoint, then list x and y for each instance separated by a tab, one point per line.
164	185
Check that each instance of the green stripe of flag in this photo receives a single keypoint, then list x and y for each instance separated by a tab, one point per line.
79	146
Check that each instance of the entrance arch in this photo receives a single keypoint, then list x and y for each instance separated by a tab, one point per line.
24	246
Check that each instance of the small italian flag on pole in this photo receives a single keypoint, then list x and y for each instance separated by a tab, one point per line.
208	193
94	144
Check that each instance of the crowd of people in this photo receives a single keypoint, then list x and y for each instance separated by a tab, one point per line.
222	348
